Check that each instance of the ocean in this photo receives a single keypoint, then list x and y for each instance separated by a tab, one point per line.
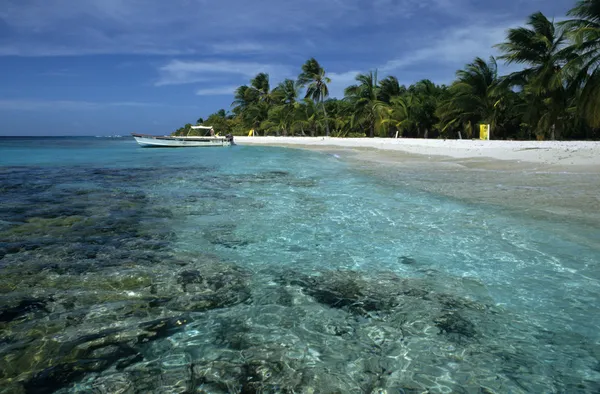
251	269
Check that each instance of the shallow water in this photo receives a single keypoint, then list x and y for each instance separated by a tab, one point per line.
258	269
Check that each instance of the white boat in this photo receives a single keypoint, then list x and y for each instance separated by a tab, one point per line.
168	141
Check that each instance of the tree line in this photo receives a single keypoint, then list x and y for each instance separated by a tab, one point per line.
555	95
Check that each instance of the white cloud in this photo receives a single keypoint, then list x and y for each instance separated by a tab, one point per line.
217	91
66	27
178	72
454	47
440	55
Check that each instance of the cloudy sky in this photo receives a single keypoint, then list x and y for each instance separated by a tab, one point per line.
103	67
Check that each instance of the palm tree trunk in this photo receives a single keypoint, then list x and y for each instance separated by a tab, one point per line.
325	114
426	133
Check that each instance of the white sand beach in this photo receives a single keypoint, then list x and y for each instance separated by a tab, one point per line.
547	153
550	177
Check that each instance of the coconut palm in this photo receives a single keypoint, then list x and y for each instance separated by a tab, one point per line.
340	116
584	30
260	83
426	97
254	116
474	97
308	117
364	96
286	92
389	88
314	79
540	48
400	114
244	97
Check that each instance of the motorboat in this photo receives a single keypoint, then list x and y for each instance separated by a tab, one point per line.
170	141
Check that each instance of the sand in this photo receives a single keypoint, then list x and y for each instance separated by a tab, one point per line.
557	155
557	178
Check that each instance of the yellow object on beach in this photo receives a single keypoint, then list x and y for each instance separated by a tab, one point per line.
251	133
484	131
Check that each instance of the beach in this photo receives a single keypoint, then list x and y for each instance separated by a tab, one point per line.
550	155
556	178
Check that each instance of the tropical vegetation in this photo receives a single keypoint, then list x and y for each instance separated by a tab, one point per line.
554	95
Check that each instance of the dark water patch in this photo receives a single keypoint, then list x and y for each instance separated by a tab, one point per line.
225	235
10	313
407	260
83	250
455	325
105	318
285	331
361	295
95	353
269	178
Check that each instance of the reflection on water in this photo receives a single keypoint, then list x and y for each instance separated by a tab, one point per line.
283	271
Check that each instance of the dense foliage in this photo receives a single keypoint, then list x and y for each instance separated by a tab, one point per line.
556	94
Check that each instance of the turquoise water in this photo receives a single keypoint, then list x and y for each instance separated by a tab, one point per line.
260	269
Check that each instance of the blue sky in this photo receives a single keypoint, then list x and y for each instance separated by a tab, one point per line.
104	67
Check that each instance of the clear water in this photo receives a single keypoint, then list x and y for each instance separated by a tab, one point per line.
259	269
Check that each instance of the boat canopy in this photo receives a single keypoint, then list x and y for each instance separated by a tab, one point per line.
212	131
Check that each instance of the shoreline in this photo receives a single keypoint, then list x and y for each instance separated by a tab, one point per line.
551	156
556	178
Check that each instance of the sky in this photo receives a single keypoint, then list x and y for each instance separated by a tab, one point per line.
112	67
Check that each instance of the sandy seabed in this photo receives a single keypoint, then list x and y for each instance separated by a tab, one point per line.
547	153
559	178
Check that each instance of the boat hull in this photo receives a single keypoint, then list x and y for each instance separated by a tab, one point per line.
180	142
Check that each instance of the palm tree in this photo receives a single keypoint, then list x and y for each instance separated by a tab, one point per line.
364	96
425	100
244	97
585	32
540	48
284	96
251	103
404	113
260	83
255	115
307	117
340	116
474	97
286	92
389	88
313	77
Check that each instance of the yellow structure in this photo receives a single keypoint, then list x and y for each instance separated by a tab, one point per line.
251	133
484	131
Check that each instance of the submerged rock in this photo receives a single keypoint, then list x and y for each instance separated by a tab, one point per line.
211	289
406	260
454	323
162	328
225	236
56	377
350	290
25	306
118	383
